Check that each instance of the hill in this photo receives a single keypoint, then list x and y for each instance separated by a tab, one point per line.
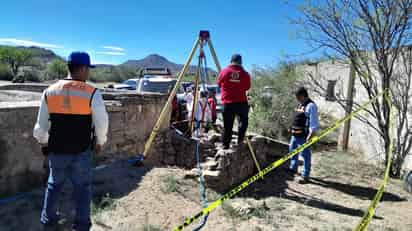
104	72
155	60
41	56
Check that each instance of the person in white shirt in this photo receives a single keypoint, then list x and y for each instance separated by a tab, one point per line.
189	102
72	121
203	115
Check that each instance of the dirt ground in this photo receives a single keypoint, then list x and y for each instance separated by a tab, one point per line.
150	199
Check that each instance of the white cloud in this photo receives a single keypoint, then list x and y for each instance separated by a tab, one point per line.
115	53
113	48
27	43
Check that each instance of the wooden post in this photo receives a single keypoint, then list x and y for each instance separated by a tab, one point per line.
348	108
163	114
214	56
195	93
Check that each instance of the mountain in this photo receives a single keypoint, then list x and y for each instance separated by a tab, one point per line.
156	60
41	55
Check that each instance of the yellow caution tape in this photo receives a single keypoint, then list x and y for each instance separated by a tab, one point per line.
363	224
274	165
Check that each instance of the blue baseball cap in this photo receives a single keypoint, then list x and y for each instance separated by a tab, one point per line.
80	58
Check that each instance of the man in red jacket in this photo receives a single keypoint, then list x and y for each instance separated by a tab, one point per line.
234	82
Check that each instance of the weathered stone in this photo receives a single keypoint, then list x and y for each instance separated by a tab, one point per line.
190	174
210	165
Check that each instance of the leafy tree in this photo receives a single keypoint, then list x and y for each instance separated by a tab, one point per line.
5	73
15	58
57	69
112	74
374	36
272	99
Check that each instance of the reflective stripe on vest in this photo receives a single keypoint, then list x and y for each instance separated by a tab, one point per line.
70	97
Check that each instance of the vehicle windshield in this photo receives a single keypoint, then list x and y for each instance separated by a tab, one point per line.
157	86
148	76
130	82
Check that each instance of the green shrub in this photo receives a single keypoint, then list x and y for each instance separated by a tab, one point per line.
170	184
31	76
5	73
57	69
112	74
273	100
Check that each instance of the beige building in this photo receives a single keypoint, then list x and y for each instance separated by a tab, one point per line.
328	82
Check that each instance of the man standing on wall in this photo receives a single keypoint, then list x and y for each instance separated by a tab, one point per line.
234	83
305	124
72	120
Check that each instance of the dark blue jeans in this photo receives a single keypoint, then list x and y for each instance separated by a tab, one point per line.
77	168
306	154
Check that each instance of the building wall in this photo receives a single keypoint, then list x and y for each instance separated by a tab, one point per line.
132	118
362	138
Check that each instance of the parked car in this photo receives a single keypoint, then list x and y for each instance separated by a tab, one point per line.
158	85
159	72
130	84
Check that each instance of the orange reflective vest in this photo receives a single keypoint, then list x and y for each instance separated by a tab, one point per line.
69	105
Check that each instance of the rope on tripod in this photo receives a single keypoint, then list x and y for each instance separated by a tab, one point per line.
202	187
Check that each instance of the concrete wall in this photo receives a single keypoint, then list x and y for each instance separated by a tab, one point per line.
132	117
363	139
33	87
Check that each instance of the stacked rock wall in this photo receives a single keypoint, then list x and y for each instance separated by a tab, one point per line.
221	168
132	117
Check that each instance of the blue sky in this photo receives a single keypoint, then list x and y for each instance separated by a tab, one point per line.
115	31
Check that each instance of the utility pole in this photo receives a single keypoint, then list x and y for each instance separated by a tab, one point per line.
348	108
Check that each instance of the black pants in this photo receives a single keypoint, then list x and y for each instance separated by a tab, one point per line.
230	111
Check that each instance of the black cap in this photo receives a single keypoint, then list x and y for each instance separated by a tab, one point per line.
236	58
302	92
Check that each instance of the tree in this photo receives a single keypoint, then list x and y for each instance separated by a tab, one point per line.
5	73
375	37
15	58
57	69
272	99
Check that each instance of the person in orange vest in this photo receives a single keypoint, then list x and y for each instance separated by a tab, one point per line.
72	121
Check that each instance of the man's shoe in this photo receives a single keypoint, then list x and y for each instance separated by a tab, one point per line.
291	172
304	180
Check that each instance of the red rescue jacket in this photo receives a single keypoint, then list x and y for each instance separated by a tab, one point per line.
234	82
212	104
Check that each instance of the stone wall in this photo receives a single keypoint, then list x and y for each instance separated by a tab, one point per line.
132	117
33	87
21	163
221	169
